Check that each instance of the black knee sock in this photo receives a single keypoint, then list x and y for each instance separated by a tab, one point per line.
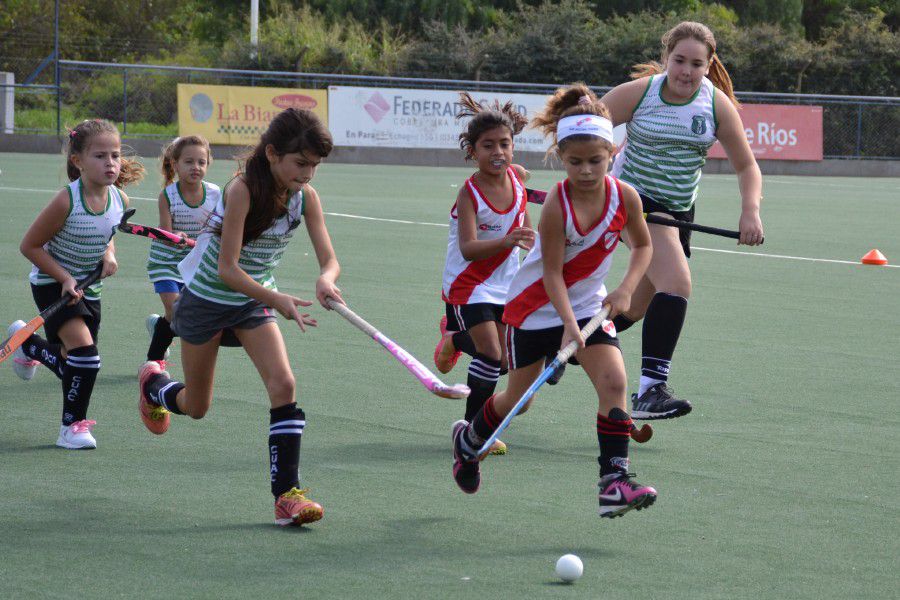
622	323
163	391
162	339
78	379
483	375
662	326
613	434
462	341
285	430
49	355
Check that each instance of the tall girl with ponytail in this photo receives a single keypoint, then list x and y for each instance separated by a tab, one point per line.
675	111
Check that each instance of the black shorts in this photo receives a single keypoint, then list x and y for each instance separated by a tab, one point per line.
461	317
89	310
686	216
527	346
197	320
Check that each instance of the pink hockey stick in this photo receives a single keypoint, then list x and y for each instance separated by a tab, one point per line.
428	379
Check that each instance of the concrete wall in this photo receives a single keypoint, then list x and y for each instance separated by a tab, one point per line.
49	144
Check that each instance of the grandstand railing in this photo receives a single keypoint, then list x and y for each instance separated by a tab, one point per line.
142	99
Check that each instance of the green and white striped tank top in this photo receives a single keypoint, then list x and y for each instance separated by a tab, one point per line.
666	145
83	239
163	261
200	269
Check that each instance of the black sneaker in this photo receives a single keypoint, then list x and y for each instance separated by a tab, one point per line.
466	472
658	402
557	374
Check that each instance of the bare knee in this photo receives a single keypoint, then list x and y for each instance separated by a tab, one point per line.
281	388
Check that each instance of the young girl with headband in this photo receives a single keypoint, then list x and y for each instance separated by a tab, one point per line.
675	112
560	287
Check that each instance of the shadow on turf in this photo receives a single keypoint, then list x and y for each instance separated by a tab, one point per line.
26	449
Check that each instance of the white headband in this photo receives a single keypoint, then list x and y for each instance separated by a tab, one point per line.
584	125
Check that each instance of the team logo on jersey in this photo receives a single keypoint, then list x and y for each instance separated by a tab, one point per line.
698	124
610	239
570	243
486	227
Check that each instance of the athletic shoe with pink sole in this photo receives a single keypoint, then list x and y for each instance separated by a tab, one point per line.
294	508
23	366
466	472
445	354
155	417
619	493
77	436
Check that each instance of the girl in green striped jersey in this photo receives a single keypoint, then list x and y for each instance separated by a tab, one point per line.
230	289
184	204
675	111
65	242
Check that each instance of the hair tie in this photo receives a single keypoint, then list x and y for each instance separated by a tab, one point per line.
585	100
73	133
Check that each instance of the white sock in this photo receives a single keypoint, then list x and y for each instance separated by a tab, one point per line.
647	383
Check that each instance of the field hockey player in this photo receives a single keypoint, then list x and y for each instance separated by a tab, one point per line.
675	111
64	244
488	224
184	205
229	286
560	288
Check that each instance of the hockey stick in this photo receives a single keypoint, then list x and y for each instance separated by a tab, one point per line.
428	379
18	338
644	433
539	196
154	233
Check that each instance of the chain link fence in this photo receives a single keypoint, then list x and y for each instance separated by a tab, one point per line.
142	100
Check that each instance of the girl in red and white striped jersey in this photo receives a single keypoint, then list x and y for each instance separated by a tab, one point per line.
561	285
488	224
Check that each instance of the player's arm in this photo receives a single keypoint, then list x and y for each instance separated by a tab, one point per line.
623	99
730	133
329	268
237	206
470	246
47	224
552	229
165	212
619	300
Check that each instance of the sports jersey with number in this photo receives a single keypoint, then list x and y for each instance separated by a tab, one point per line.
586	262
485	280
667	144
84	237
163	261
200	269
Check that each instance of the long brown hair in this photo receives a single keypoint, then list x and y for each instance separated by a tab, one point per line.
718	74
485	118
291	131
172	153
575	99
79	140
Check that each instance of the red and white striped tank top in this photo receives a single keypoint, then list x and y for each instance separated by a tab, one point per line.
586	263
488	279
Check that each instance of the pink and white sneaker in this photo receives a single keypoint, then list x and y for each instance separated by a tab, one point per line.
77	436
619	493
23	366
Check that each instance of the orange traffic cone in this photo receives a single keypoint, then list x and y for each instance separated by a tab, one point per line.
874	257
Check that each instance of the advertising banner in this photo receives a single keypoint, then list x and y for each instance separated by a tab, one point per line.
226	114
779	132
410	118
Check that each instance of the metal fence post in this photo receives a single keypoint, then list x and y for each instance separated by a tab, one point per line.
124	101
859	112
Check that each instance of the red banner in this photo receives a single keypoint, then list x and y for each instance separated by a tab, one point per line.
779	132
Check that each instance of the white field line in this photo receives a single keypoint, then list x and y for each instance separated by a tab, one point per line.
404	222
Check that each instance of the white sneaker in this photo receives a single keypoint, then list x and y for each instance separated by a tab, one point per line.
151	327
77	436
23	366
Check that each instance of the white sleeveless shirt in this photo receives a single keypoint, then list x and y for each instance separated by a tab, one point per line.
486	280
188	218
586	263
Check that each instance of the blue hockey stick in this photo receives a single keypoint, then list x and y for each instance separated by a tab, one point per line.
561	357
